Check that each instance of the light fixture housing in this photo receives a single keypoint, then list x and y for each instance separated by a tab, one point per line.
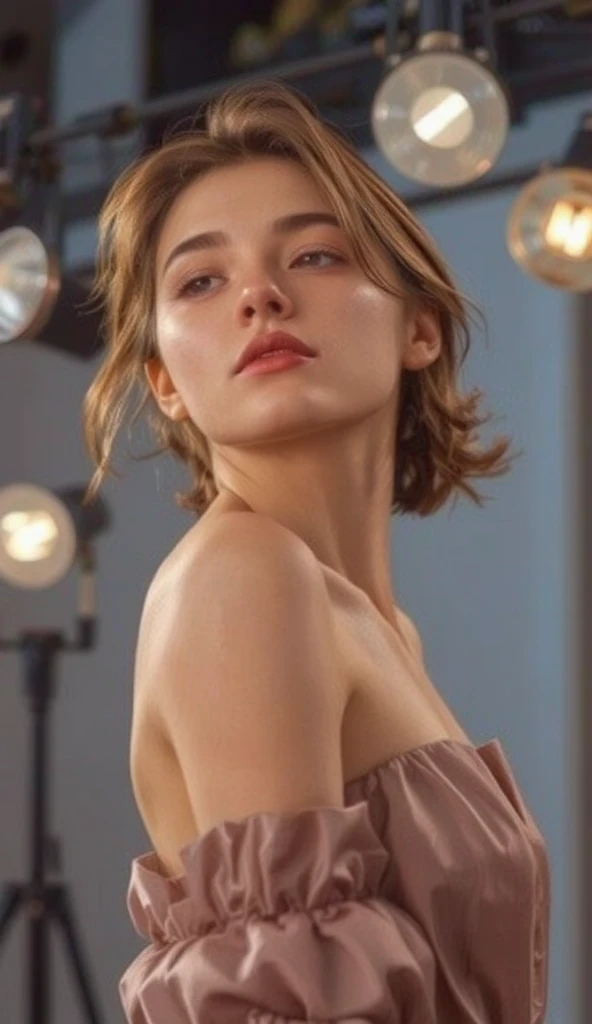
549	228
29	284
440	115
37	537
37	302
42	532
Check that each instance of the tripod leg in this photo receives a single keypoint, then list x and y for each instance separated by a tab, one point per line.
39	990
12	897
64	915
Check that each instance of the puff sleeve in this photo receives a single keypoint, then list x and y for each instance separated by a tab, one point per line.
277	918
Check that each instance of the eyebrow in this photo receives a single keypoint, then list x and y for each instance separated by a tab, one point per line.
212	239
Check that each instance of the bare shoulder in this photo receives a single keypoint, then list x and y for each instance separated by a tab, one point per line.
240	529
238	552
233	548
234	529
412	633
245	672
245	560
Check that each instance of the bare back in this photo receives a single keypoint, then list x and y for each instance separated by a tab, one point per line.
389	706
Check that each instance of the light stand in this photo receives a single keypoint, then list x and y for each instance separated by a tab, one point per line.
46	902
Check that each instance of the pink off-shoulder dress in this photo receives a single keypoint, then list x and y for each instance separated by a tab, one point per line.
425	900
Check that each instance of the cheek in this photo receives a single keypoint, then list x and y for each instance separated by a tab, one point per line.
178	343
378	313
373	300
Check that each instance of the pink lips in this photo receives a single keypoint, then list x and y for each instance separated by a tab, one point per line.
270	342
273	363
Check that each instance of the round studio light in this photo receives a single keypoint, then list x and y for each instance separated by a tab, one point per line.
37	537
440	116
29	283
549	230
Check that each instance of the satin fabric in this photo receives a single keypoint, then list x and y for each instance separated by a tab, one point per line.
425	900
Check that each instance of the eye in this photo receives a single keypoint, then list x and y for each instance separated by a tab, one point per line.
197	285
313	257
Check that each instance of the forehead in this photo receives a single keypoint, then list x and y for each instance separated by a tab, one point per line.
239	198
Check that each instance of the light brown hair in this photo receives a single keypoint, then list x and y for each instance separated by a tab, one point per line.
436	440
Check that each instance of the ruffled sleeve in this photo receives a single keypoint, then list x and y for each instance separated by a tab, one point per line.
277	918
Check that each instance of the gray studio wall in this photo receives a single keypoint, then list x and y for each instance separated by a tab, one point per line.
498	580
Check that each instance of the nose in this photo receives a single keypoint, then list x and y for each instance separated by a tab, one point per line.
263	299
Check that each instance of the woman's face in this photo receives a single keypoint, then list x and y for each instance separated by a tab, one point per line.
230	266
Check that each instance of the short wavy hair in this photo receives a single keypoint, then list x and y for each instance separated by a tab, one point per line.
436	438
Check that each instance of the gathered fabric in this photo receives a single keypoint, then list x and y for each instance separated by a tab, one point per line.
425	900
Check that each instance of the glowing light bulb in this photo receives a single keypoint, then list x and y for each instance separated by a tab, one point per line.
38	536
29	536
442	117
569	228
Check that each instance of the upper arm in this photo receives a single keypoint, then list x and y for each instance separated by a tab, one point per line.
250	692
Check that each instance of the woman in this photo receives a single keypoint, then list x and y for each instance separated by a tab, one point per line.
328	843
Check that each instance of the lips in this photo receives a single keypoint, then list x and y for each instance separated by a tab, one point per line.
275	341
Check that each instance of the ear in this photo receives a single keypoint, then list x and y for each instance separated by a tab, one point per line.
423	343
165	394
